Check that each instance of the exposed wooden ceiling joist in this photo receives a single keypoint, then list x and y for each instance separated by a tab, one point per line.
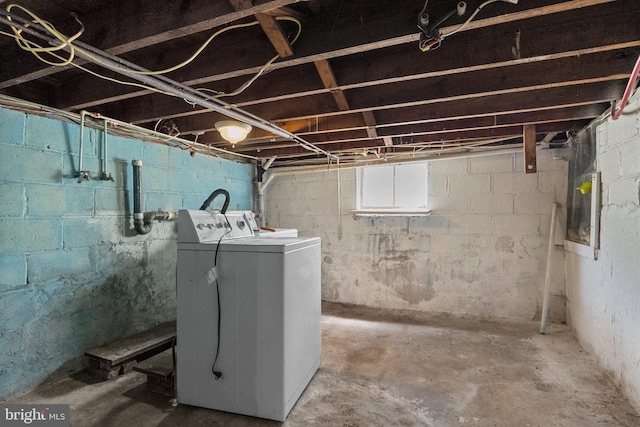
478	136
561	43
569	36
355	80
270	27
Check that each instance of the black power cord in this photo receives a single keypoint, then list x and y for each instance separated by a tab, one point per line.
218	374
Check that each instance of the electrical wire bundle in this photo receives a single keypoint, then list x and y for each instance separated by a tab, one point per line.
150	80
63	44
431	36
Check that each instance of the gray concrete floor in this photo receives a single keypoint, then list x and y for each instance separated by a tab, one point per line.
396	368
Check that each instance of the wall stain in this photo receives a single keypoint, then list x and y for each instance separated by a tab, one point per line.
465	272
505	244
411	283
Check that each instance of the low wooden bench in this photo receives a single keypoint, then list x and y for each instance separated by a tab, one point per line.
122	355
159	371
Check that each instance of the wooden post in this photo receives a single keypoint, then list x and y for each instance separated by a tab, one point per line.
529	143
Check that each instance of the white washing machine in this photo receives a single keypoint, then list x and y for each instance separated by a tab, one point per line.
248	313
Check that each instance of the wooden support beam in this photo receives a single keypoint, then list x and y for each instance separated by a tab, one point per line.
329	81
529	144
275	34
370	121
358	140
270	27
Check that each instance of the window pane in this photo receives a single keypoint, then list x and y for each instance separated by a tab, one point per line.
582	163
377	187
411	184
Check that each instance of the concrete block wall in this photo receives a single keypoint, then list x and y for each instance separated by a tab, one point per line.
481	252
604	293
74	274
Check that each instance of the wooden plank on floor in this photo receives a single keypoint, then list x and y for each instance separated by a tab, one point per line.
129	347
159	366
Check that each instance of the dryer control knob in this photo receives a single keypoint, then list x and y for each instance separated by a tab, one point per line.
241	224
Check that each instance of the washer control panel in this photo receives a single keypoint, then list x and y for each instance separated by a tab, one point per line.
250	218
211	226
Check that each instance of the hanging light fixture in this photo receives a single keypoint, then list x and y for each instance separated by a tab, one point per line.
233	131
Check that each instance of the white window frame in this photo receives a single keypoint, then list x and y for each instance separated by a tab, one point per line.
394	209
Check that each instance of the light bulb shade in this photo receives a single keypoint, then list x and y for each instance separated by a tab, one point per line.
233	131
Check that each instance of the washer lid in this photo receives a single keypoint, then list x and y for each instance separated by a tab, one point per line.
269	244
279	232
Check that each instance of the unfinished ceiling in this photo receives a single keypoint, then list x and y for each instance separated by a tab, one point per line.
360	81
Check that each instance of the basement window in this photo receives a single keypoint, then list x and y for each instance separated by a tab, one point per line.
583	199
397	189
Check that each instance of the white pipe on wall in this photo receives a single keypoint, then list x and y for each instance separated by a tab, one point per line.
82	174
547	276
262	214
328	168
430	158
339	204
121	128
266	164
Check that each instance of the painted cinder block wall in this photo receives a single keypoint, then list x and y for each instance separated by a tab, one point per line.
604	294
482	251
74	274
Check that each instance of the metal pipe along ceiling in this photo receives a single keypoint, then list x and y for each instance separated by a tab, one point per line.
161	83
